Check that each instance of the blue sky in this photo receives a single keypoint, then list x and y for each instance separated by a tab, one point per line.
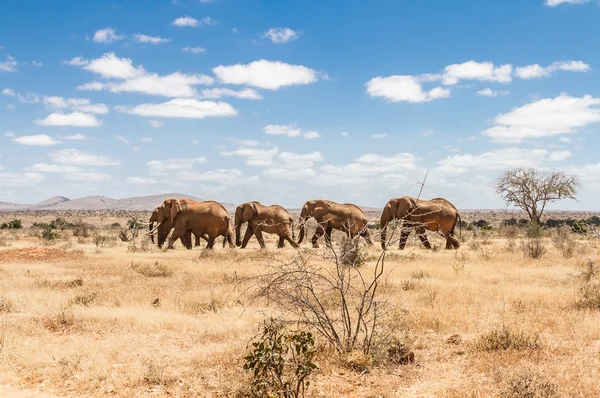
285	101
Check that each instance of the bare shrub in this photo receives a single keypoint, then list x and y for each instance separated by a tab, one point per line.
84	300
59	322
339	302
155	374
420	274
409	285
5	305
589	288
143	247
124	235
350	252
196	307
505	338
4	242
533	248
156	270
486	254
528	383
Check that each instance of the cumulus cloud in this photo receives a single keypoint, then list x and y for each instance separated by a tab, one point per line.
141	181
193	50
254	156
311	135
182	108
80	158
188	21
107	35
544	118
20	179
36	140
536	71
488	92
501	159
75	104
178	164
215	93
125	77
281	35
156	124
75	119
9	65
270	75
29	98
290	130
403	88
9	92
473	70
141	38
74	137
554	3
379	135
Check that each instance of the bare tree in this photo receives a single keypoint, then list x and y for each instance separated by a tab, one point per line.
532	189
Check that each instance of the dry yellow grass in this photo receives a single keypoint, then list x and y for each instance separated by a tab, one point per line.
108	321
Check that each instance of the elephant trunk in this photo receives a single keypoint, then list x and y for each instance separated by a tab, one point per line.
238	231
302	229
383	223
150	225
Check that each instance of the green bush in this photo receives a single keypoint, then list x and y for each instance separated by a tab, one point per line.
14	224
281	361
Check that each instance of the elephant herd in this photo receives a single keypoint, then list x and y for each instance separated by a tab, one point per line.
208	220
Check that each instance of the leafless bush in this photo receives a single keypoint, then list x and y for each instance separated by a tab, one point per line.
337	301
528	383
350	252
59	322
5	305
420	274
533	248
156	270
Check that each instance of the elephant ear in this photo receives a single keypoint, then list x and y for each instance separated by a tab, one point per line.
175	208
320	209
250	211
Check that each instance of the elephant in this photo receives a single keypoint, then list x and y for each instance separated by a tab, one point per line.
329	215
436	214
164	230
272	219
207	220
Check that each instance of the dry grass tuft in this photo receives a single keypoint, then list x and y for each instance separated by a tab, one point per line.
156	270
59	322
529	383
507	339
420	274
6	305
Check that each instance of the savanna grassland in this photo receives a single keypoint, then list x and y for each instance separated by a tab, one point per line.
86	311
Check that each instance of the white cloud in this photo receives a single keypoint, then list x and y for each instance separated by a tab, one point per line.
141	181
146	139
502	159
75	104
344	134
136	79
122	139
70	172
564	139
156	124
36	140
536	71
193	50
248	142
270	75
74	137
287	130
214	93
81	158
290	159
379	135
9	134
10	65
183	108
281	35
473	70
311	135
186	21
9	92
161	166
253	156
554	3
75	119
488	92
76	61
546	117
403	88
29	98
140	38
209	21
107	35
20	179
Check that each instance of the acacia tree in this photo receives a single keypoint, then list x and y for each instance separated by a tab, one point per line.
532	189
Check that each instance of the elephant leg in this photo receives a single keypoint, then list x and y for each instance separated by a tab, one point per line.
259	238
186	239
318	233
281	242
289	239
404	232
178	235
451	242
210	242
247	236
423	237
328	235
365	234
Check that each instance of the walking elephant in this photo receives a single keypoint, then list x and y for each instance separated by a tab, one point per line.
330	215
208	220
436	214
272	219
163	231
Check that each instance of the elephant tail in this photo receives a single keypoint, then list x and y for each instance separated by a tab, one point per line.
292	228
459	220
229	238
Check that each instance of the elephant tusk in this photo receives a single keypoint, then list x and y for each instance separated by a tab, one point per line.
154	230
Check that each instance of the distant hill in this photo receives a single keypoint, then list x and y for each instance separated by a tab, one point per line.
140	203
